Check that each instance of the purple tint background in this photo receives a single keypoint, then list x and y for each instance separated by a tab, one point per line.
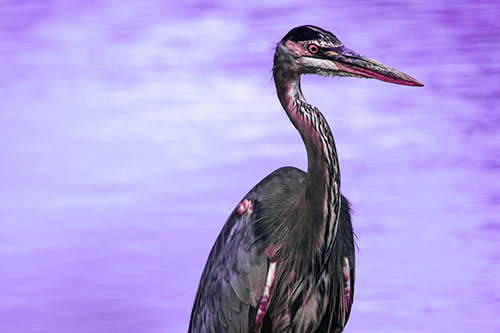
129	132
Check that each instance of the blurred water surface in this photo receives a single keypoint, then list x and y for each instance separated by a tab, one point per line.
129	132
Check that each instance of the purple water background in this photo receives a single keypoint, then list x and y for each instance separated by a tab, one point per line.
129	131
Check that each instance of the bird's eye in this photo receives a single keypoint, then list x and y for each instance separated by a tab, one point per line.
313	48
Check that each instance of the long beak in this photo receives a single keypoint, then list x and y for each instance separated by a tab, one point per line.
352	63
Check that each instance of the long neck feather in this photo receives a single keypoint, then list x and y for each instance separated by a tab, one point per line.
322	190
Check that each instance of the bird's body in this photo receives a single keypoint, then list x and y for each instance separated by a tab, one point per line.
242	247
284	260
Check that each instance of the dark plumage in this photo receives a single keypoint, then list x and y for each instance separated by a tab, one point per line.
284	260
308	32
236	289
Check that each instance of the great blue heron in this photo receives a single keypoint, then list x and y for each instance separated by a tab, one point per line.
284	260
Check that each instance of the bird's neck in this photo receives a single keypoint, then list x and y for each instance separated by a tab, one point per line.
322	190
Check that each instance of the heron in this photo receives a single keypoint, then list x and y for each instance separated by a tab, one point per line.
285	258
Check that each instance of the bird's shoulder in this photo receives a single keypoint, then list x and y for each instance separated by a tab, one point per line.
281	182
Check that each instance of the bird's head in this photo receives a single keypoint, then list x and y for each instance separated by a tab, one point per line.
312	50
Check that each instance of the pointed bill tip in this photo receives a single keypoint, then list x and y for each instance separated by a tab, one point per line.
411	82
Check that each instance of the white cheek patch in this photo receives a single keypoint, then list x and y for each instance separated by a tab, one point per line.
320	64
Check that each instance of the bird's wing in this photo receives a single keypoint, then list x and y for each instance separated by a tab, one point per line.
342	270
347	254
234	277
